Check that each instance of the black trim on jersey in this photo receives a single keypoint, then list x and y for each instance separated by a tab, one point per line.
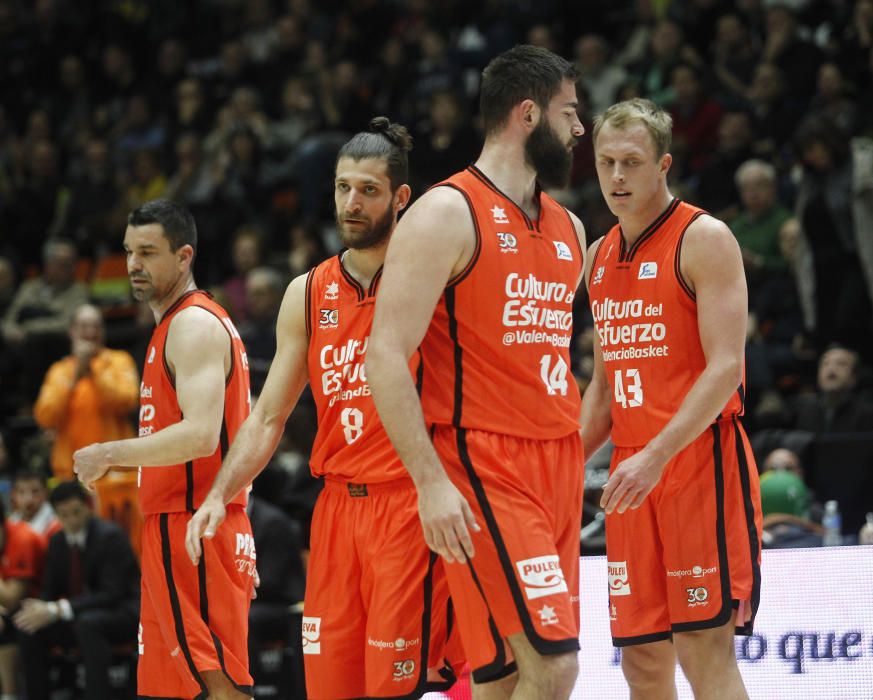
374	283
724	614
741	393
189	486
541	644
626	254
599	243
530	223
459	357
641	639
224	441
495	669
175	606
175	304
204	615
361	292
309	279
754	545
677	259
419	373
575	235
475	257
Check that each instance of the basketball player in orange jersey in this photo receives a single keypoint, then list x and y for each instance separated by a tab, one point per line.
479	283
376	607
683	508
193	398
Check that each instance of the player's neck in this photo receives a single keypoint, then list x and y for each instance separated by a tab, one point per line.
502	161
633	225
363	263
182	287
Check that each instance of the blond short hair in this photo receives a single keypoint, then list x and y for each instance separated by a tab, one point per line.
622	115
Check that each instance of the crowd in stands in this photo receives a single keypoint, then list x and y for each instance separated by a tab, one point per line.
237	108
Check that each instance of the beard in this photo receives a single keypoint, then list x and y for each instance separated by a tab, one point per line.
143	293
548	155
370	234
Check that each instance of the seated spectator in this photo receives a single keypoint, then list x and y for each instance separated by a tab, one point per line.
783	460
22	557
264	290
785	505
38	317
716	188
757	226
696	116
88	397
90	597
30	503
282	580
601	78
247	253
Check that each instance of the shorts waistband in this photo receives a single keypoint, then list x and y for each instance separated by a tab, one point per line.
362	490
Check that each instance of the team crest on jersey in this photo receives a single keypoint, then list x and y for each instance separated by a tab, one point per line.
499	215
648	271
328	318
598	275
563	250
508	242
331	291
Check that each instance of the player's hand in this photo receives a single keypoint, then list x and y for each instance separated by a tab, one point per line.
90	463
631	481
204	523
446	520
33	615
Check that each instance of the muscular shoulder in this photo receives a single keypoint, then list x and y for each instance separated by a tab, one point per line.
442	210
706	233
196	330
709	249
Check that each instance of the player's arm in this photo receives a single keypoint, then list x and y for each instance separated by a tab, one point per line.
433	243
197	348
712	265
596	418
12	592
260	433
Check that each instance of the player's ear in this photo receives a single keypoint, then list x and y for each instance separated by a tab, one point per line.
666	162
401	198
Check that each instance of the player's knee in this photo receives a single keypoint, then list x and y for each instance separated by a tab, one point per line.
704	653
648	666
555	676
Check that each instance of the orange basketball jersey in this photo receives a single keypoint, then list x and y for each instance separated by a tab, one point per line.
497	354
646	319
182	487
351	443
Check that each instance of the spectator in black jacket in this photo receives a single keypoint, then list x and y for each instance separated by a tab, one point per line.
90	596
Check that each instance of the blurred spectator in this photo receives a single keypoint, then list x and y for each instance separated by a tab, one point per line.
138	129
345	99
116	82
71	104
191	183
835	211
696	117
90	597
89	395
298	116
832	99
7	284
601	78
716	187
775	115
785	505
149	181
247	253
190	111
94	219
734	56
653	70
30	504
306	248
172	56
36	322
278	542
445	142
757	226
783	45
264	290
22	560
784	460
836	407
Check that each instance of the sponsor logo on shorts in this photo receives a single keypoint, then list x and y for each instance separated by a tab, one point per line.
245	553
694	571
541	576
403	669
697	595
311	635
619	584
547	615
399	644
613	612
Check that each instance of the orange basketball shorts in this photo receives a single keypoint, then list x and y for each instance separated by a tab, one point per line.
527	499
691	553
376	615
194	618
